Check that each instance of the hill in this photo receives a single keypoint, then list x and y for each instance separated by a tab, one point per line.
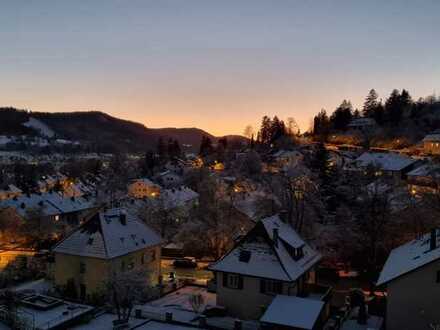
96	130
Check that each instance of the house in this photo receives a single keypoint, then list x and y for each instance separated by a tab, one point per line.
424	178
411	275
284	159
271	260
169	179
50	208
10	191
141	188
180	197
431	144
47	183
389	164
363	124
110	243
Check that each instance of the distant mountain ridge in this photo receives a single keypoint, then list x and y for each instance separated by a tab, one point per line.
99	131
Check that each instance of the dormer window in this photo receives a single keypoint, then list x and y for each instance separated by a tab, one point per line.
298	253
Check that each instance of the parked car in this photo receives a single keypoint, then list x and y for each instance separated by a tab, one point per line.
185	263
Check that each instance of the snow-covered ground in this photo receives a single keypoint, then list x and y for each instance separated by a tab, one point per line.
39	126
105	321
39	286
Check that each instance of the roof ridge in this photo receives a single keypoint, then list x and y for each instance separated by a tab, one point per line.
107	253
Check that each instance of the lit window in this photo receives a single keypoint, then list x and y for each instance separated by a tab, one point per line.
57	218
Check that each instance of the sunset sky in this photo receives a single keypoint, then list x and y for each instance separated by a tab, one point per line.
216	65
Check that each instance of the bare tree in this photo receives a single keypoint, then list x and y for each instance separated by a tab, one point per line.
299	196
125	290
292	126
197	302
248	131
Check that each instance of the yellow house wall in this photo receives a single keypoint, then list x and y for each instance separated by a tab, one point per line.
247	303
97	271
141	190
413	300
431	147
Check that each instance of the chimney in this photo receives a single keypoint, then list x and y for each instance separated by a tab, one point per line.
275	237
123	218
283	216
433	240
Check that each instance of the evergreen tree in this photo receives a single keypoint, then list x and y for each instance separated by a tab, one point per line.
265	129
148	164
206	147
393	108
342	116
321	125
161	148
379	114
370	104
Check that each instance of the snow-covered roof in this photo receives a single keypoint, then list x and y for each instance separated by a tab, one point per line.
357	122
427	170
107	235
177	197
409	257
49	204
269	260
432	137
292	311
385	161
12	189
287	153
145	181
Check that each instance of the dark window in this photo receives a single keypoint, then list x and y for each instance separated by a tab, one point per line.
82	268
438	276
271	287
233	281
245	256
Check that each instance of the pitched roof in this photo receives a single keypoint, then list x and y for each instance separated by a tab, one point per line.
145	181
106	235
49	204
295	312
177	197
362	122
269	260
386	161
409	257
427	170
432	137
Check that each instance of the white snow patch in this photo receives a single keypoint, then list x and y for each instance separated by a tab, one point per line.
39	126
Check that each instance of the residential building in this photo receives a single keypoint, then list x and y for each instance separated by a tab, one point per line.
424	178
431	144
390	164
285	159
142	188
10	191
169	179
411	275
110	243
363	124
50	207
271	260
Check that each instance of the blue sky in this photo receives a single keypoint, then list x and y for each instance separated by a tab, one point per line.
217	65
